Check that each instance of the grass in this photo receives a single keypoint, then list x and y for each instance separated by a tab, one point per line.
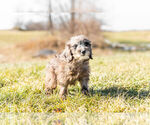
119	89
11	37
23	36
118	83
76	118
131	37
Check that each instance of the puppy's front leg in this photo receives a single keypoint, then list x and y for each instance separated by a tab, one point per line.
84	85
63	92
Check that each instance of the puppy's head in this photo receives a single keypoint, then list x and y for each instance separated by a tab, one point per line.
79	48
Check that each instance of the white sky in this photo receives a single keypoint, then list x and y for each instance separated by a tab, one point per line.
118	14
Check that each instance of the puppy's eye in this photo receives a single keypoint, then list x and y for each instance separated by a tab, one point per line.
86	44
75	46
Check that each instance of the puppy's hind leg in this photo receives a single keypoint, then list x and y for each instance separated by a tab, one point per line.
51	82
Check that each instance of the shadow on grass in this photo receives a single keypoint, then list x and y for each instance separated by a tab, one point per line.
120	91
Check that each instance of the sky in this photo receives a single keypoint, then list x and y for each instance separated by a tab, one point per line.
118	15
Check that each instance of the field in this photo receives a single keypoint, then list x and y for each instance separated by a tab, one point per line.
11	37
130	37
119	91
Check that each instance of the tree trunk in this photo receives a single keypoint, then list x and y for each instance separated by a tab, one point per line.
50	28
72	16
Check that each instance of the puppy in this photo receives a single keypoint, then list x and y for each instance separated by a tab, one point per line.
70	66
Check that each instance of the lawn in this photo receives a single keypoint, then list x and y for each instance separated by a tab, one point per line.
130	37
118	84
119	93
12	37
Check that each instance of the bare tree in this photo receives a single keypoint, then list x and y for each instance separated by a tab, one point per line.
50	17
72	16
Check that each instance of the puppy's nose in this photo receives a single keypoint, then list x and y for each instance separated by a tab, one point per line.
83	52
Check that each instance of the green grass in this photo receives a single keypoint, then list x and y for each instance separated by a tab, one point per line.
131	37
119	88
118	83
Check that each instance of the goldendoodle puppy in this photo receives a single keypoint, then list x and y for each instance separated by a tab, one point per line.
70	66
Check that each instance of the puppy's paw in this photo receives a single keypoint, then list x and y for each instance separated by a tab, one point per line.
85	91
63	97
48	91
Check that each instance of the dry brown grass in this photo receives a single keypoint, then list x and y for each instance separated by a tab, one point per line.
29	43
57	42
49	42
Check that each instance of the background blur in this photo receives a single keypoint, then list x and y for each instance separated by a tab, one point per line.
32	31
39	28
119	15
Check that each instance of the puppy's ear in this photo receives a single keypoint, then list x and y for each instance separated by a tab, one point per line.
91	53
67	53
